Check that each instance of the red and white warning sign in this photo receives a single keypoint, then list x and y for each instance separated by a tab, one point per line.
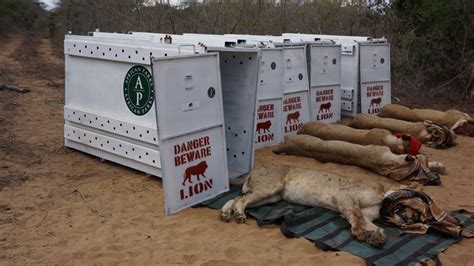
189	110
197	170
268	124
295	112
325	104
374	97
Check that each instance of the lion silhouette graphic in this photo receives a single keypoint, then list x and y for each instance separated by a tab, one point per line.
293	116
196	170
375	102
326	107
265	126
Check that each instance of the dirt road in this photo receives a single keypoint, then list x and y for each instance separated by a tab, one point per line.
45	219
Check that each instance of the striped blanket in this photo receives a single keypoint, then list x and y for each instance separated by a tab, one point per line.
329	231
441	136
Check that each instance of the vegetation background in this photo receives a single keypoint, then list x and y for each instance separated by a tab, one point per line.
432	43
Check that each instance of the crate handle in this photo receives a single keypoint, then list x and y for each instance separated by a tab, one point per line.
182	45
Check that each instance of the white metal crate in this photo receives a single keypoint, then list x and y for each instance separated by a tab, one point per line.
359	71
101	120
325	81
296	107
268	128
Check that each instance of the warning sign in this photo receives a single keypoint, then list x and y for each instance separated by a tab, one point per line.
295	112
325	106
197	170
374	97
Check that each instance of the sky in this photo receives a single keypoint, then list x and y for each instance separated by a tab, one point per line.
51	3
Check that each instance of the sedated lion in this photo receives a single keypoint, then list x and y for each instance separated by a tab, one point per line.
358	201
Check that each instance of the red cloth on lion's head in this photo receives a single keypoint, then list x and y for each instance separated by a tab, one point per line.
415	144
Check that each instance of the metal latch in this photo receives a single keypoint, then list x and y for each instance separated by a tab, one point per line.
347	50
346	105
188	82
347	93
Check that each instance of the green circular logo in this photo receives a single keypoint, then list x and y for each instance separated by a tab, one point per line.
138	90
211	92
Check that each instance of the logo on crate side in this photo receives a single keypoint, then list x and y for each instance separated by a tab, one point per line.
326	96
188	152
265	111
138	90
211	92
196	170
293	116
375	103
292	105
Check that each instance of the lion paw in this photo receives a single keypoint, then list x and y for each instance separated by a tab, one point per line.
226	216
240	218
376	238
437	167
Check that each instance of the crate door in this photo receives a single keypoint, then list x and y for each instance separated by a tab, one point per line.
374	77
190	129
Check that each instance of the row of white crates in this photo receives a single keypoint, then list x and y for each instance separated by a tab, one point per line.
191	109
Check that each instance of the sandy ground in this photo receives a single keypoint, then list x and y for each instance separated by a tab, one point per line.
121	219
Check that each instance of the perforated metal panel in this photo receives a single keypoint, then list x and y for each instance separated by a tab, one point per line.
268	129
239	68
97	119
191	129
325	80
296	90
364	78
374	76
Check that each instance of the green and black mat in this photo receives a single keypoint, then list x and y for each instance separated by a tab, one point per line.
329	231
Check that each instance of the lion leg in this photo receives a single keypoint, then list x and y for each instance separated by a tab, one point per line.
360	228
227	210
437	167
370	214
253	199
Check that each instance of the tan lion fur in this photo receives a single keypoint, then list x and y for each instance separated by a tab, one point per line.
358	201
460	122
376	136
379	159
416	129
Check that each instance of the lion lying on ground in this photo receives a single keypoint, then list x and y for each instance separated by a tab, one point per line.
358	202
379	159
398	144
427	132
459	122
